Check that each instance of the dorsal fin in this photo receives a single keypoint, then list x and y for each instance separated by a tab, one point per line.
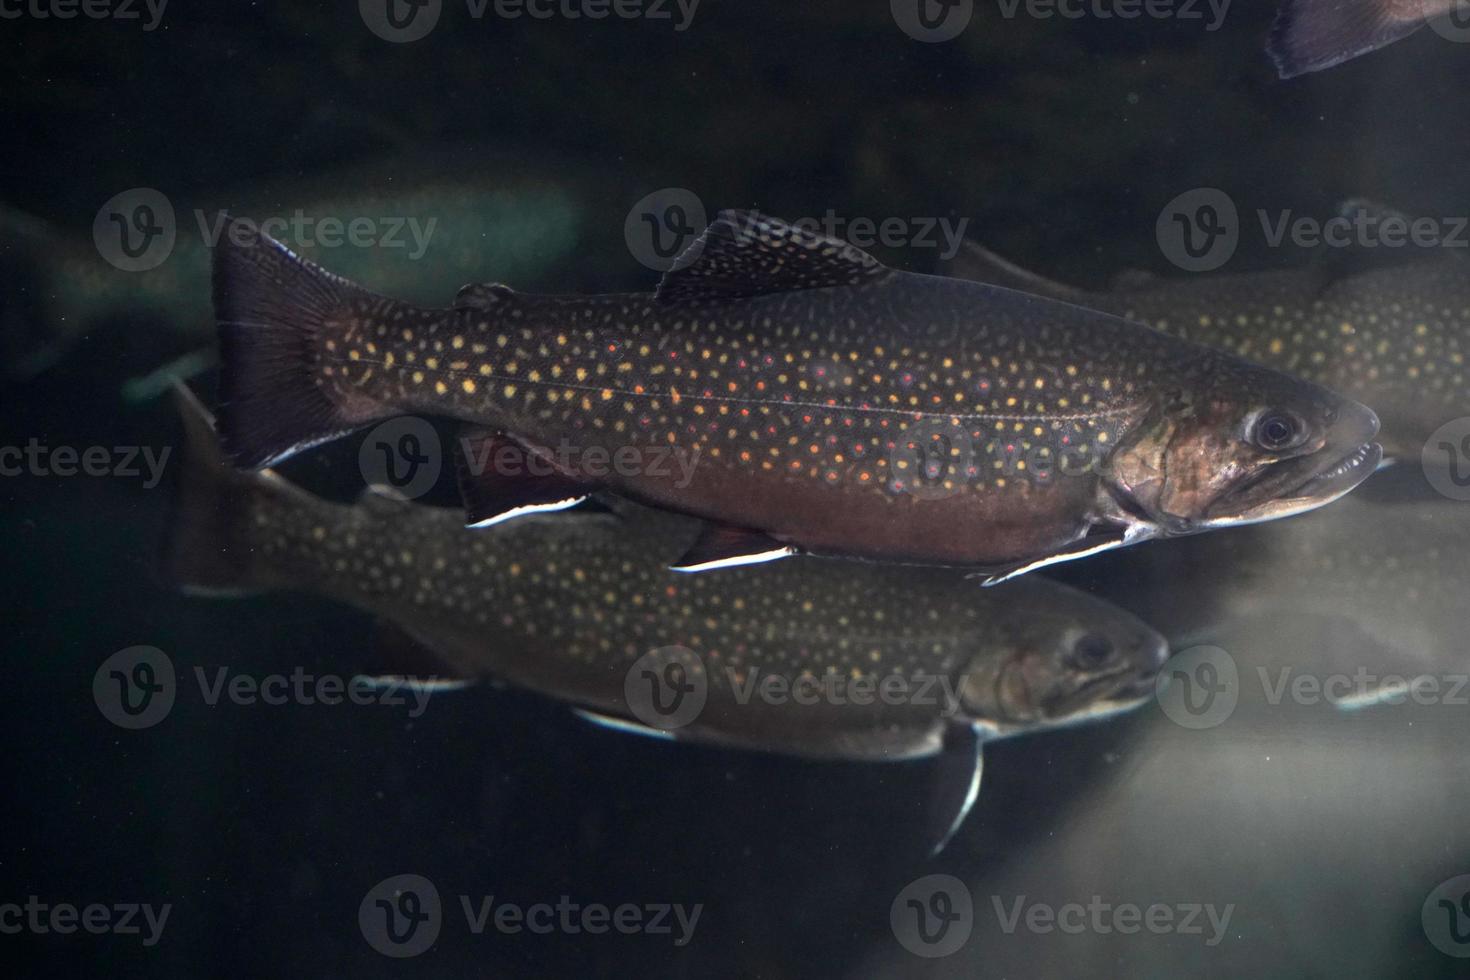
745	253
979	264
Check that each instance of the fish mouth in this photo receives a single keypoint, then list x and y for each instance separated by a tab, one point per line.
1322	484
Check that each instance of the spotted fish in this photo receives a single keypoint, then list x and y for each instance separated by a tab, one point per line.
826	403
569	605
1392	336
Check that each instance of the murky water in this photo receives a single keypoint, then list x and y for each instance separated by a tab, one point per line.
204	781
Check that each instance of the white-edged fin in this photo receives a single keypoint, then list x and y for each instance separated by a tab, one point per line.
735	561
1381	694
527	509
500	479
1092	545
968	750
622	725
722	546
403	682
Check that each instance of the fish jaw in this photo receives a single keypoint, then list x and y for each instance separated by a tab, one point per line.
1322	488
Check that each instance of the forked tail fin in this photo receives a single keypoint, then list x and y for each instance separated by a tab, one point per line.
272	308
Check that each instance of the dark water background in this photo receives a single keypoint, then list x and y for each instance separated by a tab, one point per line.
1059	140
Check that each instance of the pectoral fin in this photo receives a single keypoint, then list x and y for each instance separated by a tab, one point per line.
1100	540
961	765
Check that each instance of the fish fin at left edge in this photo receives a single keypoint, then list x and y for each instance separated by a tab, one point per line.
723	546
500	479
745	253
961	765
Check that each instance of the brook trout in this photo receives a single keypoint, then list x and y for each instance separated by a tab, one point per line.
833	405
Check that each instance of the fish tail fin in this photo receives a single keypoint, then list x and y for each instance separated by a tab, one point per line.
1310	35
208	549
275	313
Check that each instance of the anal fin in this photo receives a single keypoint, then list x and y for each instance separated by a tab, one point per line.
723	546
500	479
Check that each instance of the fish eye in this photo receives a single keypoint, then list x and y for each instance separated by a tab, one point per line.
1276	430
1091	651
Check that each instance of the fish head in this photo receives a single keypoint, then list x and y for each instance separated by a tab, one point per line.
1064	657
1250	445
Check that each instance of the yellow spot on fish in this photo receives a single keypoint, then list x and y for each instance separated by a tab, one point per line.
469	386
